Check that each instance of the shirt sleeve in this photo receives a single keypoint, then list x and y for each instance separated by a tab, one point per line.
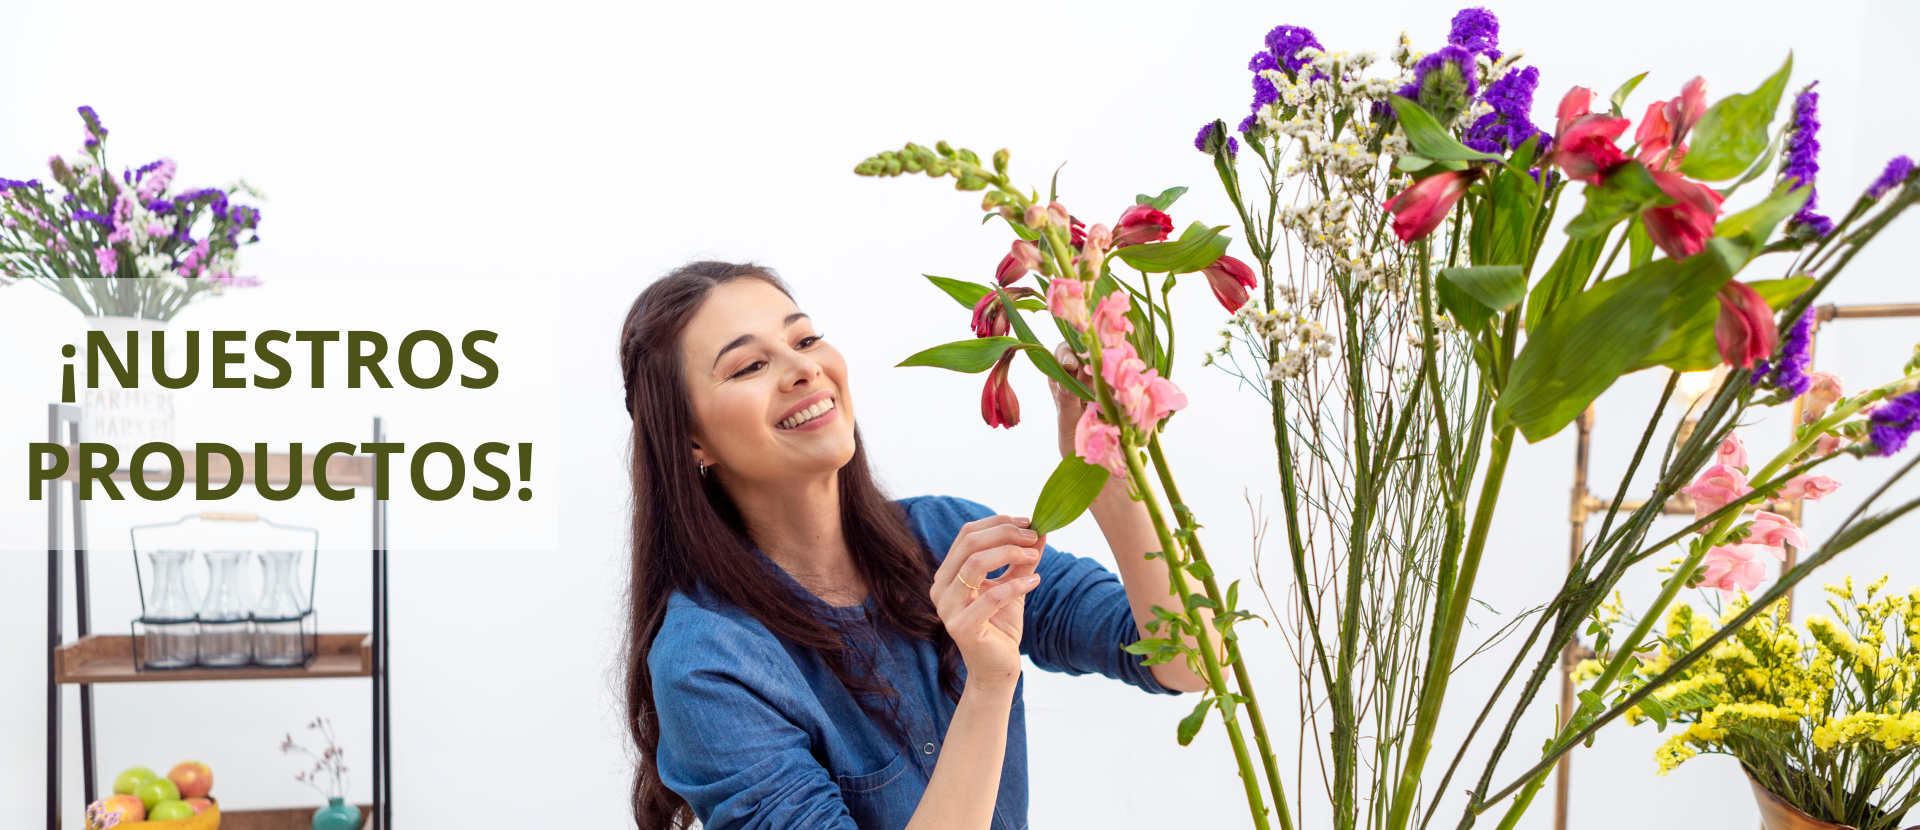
1078	620
725	744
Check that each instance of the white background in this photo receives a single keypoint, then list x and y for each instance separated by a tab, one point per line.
528	168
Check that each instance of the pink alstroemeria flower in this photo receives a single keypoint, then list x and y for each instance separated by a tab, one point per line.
1067	300
1023	258
1230	280
1662	134
1716	487
998	405
1421	207
1823	390
1732	451
1682	228
1098	442
1110	321
1732	568
1776	530
1141	224
1744	331
1811	488
1583	140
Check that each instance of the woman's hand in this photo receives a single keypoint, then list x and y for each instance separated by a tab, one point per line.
985	620
1068	405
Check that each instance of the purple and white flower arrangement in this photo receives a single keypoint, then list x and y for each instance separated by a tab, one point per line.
125	245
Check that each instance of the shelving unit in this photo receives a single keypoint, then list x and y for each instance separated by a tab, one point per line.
94	658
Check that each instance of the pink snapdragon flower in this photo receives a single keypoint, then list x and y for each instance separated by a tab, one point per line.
1829	444
1715	488
1732	451
1812	488
1774	530
1110	321
1732	568
1067	299
1421	207
1824	389
1151	399
1098	442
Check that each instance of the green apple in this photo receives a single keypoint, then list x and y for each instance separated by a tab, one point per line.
170	810
131	778
155	791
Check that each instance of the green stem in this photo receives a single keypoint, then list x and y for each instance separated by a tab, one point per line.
1241	678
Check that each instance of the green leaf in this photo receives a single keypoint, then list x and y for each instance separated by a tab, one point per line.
1733	132
1568	275
1233	594
1043	360
1200	570
1503	220
967	294
1072	487
1190	725
1654	710
1758	222
1163	201
969	356
1587	343
1590	701
1196	249
1639	245
1626	191
1691	348
1759	167
1201	601
1619	98
1497	287
1429	138
1414	164
1470	313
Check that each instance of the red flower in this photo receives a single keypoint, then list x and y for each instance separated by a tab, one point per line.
1419	209
998	406
1230	280
989	317
1583	144
1024	257
1141	224
1745	331
1662	135
1683	228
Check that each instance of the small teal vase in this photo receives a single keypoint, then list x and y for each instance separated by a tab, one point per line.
337	815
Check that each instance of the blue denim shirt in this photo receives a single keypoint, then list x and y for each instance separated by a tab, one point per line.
758	733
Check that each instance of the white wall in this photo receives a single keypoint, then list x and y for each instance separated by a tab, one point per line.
527	168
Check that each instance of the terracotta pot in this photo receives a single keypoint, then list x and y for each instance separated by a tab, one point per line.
1777	814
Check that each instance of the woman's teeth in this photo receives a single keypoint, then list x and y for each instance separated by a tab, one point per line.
808	414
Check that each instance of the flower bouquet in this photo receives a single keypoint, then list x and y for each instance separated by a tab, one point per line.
1397	315
1828	725
163	249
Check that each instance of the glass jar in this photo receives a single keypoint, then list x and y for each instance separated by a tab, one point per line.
278	616
225	638
171	631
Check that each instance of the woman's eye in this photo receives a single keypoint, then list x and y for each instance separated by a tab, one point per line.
749	369
808	341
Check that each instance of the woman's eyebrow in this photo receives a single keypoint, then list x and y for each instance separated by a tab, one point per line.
744	339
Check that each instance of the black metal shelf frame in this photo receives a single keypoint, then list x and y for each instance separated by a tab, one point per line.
63	421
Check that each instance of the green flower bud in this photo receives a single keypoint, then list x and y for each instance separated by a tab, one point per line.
870	167
894	166
970	183
912	162
968	157
937	167
994	199
1000	161
944	148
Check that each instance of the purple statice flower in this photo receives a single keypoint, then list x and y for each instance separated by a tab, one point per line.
1444	82
1484	145
160	206
1510	123
95	130
1898	169
1891	423
1262	61
1803	156
1796	356
1264	92
1248	123
1477	30
13	184
1284	44
95	218
1206	132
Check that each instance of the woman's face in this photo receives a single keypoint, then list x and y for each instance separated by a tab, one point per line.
770	400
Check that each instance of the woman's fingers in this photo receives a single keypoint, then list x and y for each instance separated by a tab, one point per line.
1022	568
963	545
975	571
990	602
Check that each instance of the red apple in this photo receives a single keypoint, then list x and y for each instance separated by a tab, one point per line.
193	778
200	805
131	808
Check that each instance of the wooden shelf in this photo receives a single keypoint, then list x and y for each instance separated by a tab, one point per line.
292	818
342	470
109	658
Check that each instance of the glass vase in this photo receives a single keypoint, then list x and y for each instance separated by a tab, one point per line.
277	634
224	636
171	637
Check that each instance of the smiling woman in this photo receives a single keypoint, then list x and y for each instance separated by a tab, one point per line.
802	651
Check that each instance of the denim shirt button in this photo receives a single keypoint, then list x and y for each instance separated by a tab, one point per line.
928	749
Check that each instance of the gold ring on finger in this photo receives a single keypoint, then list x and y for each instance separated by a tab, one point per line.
970	586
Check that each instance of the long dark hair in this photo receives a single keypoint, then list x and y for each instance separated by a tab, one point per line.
687	532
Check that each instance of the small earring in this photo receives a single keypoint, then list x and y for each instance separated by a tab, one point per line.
703	469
